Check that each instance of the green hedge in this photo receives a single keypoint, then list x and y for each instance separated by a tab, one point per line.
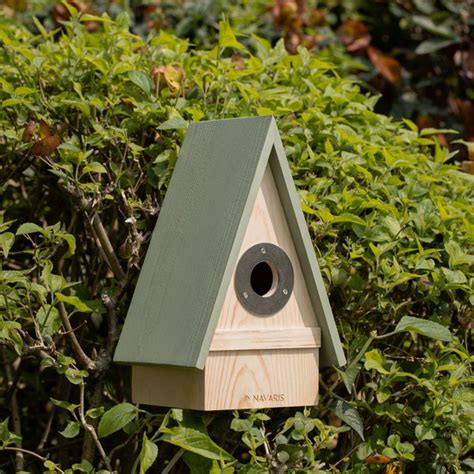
90	129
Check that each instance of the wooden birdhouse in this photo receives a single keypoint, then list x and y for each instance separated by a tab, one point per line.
230	310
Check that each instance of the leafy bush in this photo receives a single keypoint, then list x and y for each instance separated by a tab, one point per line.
90	129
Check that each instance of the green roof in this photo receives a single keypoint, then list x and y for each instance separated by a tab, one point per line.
195	245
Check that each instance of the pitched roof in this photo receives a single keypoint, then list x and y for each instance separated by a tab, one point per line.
196	241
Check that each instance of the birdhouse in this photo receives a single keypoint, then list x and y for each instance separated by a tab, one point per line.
230	310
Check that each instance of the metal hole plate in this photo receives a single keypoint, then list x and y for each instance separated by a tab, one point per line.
276	258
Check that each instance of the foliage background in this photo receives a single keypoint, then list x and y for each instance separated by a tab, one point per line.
91	123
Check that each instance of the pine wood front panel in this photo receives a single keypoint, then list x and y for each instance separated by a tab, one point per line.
266	378
268	224
257	379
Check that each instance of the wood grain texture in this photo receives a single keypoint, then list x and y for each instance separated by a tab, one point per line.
272	377
167	386
265	338
267	223
216	178
266	379
257	379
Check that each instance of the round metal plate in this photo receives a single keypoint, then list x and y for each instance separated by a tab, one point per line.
278	260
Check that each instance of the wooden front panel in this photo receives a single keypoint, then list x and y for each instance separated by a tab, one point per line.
261	378
268	224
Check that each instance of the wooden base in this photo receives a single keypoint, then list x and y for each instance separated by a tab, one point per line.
255	379
468	166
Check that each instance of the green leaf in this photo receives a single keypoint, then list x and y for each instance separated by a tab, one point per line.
95	412
227	37
94	167
350	416
71	243
100	19
84	466
6	242
72	430
6	436
116	418
141	80
349	375
29	228
147	455
432	45
241	424
174	123
70	407
424	327
374	360
74	301
429	25
348	218
49	320
195	441
75	376
424	433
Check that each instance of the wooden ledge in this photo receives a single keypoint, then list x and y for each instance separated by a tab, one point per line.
254	339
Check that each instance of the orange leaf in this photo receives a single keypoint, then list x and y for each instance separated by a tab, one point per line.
354	35
389	67
29	131
46	146
377	459
44	129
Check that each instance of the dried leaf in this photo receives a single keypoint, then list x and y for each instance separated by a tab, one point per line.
286	13
170	76
464	109
388	67
354	35
29	131
44	129
377	459
46	146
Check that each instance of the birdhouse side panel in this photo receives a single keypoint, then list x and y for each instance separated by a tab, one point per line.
168	386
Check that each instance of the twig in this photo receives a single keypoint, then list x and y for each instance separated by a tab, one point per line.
86	362
173	461
31	453
122	445
103	238
91	430
47	430
113	332
16	420
88	443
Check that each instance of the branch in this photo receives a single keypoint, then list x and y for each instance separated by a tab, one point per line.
31	453
83	358
104	242
173	461
113	332
15	411
91	430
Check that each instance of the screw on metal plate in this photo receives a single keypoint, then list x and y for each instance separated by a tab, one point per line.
245	294
263	250
285	291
